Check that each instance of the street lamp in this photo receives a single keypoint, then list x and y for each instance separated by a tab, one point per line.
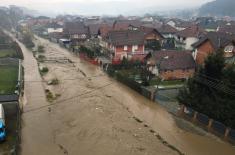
158	67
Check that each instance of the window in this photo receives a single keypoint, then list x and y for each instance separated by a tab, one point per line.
228	49
125	48
134	48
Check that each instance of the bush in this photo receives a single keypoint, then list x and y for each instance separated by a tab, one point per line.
53	82
41	49
49	95
41	58
44	70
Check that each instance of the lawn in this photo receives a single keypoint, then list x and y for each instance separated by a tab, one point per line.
7	53
171	83
8	79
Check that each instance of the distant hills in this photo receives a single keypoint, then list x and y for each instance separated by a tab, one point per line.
218	8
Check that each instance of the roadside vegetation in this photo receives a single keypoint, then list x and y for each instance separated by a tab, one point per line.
41	58
43	70
50	96
54	81
41	49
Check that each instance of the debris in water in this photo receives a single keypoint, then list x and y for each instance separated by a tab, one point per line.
138	120
109	96
146	125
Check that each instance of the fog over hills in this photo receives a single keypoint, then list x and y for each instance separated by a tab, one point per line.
219	8
105	7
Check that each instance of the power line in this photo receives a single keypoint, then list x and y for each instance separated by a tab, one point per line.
217	86
71	79
70	98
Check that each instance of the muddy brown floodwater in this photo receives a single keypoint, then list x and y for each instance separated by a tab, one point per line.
94	115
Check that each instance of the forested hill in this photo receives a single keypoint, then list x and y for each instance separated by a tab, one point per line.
219	8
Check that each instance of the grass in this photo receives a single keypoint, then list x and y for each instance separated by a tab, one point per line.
156	81
173	82
7	53
8	79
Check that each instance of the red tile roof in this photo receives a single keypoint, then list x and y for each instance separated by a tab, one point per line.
172	60
124	24
192	31
125	37
167	29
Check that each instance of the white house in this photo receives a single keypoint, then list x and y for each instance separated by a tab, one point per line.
54	28
186	38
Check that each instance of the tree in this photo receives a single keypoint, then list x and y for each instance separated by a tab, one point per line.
28	40
214	65
153	45
209	91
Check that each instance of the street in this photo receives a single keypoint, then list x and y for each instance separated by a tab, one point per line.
96	115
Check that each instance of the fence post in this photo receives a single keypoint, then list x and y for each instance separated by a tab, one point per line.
210	124
181	110
195	116
227	131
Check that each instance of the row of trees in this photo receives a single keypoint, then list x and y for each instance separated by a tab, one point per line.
212	90
91	53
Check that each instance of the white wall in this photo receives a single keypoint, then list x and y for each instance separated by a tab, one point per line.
52	30
189	42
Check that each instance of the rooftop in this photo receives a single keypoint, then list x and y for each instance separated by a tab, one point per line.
126	37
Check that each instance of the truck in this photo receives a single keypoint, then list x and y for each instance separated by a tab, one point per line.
2	124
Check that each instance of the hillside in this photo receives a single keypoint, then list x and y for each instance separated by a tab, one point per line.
219	8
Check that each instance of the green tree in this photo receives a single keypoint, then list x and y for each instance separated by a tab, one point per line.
211	91
153	45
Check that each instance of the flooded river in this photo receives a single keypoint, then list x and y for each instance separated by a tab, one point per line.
96	115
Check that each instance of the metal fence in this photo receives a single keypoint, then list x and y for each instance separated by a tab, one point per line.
203	119
218	127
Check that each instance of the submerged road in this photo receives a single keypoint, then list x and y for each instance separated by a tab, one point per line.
94	115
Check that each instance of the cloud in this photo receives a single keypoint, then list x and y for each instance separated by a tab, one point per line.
102	6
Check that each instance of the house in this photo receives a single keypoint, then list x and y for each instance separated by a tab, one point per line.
171	65
151	35
186	38
94	30
167	31
54	28
125	43
76	31
125	24
179	24
209	24
55	36
229	29
212	42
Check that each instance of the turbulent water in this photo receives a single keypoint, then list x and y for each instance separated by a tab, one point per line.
95	115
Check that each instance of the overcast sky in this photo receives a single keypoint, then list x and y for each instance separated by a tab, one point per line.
100	7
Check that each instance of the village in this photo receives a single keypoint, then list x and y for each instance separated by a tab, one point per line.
115	68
